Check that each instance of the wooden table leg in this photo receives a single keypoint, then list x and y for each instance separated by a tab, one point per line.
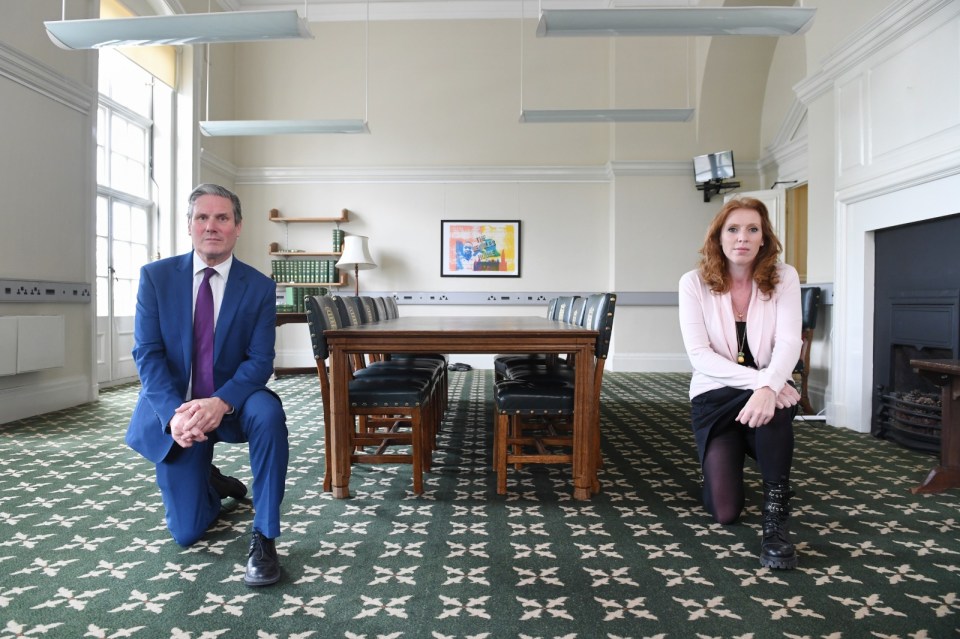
342	423
947	474
584	455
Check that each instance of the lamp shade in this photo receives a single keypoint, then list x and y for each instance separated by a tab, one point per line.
355	254
186	28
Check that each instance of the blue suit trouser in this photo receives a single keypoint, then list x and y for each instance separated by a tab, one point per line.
192	505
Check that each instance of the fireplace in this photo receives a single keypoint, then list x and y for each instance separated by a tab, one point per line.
916	316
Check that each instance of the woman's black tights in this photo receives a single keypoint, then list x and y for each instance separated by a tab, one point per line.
771	445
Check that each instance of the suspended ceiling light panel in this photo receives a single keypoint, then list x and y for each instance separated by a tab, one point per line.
179	29
605	115
676	21
218	128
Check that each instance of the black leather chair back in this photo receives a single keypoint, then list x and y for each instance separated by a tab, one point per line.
393	309
598	315
369	308
552	309
381	308
350	310
322	314
809	305
576	311
564	309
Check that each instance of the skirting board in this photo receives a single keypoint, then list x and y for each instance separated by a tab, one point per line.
29	400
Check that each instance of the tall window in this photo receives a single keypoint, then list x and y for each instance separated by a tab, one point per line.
126	214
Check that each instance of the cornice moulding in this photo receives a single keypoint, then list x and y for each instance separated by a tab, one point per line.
219	165
420	175
651	168
456	174
38	77
790	124
893	22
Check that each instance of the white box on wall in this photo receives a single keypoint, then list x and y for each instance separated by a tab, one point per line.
41	342
31	343
8	345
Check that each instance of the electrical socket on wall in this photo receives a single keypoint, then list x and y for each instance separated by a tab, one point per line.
44	291
470	299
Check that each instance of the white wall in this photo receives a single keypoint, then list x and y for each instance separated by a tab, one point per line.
896	161
602	207
615	203
47	178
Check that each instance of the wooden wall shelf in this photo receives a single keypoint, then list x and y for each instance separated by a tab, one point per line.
277	252
276	217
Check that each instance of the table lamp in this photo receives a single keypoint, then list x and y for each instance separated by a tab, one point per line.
356	254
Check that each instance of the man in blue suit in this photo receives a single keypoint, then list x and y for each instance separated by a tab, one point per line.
174	424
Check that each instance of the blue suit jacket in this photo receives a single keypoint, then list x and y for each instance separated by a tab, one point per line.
243	350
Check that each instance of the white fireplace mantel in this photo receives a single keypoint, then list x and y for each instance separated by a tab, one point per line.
896	110
858	216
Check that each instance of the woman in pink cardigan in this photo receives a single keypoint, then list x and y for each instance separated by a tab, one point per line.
741	325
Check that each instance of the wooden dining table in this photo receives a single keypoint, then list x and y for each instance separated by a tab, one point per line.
467	334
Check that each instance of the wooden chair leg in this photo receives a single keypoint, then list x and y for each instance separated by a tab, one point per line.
417	452
500	451
804	395
327	479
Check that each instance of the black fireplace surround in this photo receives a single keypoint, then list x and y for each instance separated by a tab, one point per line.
916	316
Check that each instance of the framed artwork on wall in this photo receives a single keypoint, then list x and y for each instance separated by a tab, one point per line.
480	248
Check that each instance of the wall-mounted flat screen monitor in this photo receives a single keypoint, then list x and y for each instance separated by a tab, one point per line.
713	166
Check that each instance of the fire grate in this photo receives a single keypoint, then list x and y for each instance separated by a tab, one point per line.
912	419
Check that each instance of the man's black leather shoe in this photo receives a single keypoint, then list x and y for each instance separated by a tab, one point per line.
263	565
226	486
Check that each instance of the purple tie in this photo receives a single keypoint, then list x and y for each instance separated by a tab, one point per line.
203	339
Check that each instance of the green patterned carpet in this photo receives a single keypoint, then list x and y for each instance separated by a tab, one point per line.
84	553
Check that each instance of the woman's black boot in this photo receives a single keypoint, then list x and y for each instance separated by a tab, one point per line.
776	550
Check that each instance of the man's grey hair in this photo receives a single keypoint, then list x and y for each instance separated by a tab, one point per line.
214	189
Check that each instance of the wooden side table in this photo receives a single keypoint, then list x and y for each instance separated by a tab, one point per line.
945	373
292	318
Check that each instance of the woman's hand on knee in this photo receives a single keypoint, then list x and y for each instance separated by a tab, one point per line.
788	396
759	408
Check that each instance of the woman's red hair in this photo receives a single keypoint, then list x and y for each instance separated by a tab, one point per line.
713	263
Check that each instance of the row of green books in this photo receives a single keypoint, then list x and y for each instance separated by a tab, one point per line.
293	298
304	271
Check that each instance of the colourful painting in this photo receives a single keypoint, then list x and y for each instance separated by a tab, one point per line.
480	248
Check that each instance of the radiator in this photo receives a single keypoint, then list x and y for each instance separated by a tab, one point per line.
31	343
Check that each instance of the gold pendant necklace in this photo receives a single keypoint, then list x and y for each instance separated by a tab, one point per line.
739	314
740	355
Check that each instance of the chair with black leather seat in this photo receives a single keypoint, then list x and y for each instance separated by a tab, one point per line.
381	307
353	314
373	396
526	430
576	309
418	367
563	309
393	309
350	304
437	360
369	308
809	308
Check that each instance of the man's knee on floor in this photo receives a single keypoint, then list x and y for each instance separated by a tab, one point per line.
187	538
